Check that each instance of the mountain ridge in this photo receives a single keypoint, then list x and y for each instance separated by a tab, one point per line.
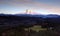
29	15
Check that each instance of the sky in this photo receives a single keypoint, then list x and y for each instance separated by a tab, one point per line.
36	6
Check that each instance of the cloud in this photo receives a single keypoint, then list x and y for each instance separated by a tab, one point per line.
31	4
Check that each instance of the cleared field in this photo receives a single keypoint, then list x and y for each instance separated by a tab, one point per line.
36	28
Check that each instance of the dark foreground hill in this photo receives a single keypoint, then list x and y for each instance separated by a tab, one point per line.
15	24
28	20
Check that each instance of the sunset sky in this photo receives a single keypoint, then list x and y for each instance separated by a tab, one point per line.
37	6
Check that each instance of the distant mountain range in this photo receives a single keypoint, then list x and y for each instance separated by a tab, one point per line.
29	15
